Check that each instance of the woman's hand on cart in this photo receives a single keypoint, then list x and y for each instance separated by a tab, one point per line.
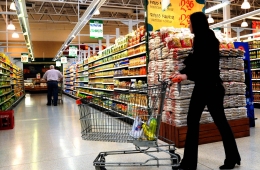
177	77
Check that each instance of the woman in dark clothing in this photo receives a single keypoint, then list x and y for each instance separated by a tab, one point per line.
202	67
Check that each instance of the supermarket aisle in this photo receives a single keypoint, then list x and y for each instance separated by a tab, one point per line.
48	138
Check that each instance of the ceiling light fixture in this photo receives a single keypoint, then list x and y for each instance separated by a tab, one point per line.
244	23
15	35
11	26
210	19
12	6
216	7
245	5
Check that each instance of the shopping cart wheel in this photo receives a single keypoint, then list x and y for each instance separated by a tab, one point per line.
175	161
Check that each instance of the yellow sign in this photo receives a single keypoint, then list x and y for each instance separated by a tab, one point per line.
171	13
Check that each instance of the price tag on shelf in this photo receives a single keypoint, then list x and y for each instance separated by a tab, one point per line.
24	57
63	60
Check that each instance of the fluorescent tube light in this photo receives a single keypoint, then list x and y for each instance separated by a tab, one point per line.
217	7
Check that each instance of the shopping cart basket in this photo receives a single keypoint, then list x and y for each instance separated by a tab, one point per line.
104	118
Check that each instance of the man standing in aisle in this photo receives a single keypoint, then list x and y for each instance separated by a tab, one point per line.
52	77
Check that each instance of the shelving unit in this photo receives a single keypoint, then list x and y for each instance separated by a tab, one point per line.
69	78
11	84
255	68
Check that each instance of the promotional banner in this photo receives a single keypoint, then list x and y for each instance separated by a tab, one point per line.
171	13
96	29
248	76
256	28
58	63
73	51
24	58
63	60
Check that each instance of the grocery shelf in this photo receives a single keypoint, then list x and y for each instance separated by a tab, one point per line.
255	79
130	77
16	102
254	49
95	83
82	71
255	69
107	83
6	93
257	102
6	100
5	86
75	97
254	59
5	80
82	76
4	74
107	56
100	77
141	43
98	89
80	81
5	69
256	91
143	65
121	89
118	51
134	55
115	68
80	86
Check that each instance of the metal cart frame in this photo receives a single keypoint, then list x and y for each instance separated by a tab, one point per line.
101	121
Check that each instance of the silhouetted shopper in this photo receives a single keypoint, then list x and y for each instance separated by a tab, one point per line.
52	77
202	67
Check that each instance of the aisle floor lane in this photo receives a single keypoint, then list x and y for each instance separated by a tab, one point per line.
49	138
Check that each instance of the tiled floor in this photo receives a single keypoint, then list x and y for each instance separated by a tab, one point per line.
48	138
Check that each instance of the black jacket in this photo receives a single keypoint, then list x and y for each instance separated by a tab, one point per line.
203	65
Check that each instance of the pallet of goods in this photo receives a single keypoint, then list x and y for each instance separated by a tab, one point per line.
167	50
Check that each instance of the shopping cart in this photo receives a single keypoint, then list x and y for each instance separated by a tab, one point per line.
104	118
60	100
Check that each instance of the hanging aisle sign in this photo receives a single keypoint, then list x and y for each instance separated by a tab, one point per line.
73	51
24	57
96	29
171	13
63	60
58	63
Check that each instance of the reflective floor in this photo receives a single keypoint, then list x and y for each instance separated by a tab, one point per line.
49	138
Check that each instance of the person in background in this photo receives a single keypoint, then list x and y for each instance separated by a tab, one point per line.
52	77
202	67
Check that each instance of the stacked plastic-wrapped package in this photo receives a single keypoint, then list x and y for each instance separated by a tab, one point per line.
168	49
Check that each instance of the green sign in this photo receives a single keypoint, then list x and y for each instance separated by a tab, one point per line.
73	51
24	57
96	29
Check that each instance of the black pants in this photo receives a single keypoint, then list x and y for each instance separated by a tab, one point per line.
212	96
52	90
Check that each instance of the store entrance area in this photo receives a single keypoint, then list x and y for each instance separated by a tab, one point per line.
49	138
